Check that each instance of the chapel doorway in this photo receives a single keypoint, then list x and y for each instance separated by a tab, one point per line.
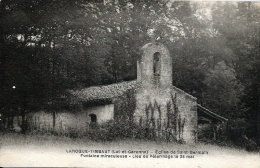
93	120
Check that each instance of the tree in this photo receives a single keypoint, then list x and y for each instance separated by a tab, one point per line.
240	29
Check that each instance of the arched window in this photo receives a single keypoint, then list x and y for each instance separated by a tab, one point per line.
156	64
93	118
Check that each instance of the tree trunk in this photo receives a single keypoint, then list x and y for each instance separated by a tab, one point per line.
53	118
258	117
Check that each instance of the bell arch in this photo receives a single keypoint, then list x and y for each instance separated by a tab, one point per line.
154	68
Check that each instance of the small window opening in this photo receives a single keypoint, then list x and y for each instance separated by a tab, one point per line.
93	118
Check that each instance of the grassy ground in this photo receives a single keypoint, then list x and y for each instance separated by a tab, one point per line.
46	150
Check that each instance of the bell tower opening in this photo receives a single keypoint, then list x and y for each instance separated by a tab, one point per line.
156	67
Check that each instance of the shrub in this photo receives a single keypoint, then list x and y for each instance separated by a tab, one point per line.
116	129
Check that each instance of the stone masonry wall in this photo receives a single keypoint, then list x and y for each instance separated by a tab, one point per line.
160	100
159	104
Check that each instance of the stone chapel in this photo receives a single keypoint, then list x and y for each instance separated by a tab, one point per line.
151	101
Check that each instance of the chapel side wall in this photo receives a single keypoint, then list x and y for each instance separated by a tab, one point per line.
69	121
187	106
65	121
104	113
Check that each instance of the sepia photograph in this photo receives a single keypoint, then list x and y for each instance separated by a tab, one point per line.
129	83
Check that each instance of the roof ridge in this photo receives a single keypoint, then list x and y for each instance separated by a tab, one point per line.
189	95
112	84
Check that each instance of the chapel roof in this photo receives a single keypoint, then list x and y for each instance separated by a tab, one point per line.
103	92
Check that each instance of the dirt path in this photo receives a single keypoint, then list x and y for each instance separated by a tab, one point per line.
20	150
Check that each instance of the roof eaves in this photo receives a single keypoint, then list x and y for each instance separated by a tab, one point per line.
214	115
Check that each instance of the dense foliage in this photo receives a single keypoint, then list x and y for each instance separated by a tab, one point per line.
48	46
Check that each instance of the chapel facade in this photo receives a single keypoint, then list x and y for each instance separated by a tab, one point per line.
158	104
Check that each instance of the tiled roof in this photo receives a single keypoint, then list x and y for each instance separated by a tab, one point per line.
107	92
104	92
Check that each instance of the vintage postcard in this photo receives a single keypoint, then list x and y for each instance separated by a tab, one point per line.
129	83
